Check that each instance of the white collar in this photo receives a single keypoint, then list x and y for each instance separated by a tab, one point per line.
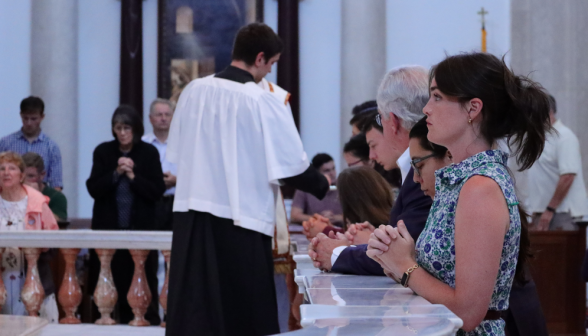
403	163
151	138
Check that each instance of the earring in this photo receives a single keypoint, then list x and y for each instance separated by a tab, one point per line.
470	121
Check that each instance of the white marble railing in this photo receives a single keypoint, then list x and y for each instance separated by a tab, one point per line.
365	305
139	243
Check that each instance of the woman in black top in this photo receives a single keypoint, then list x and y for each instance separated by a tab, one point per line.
125	182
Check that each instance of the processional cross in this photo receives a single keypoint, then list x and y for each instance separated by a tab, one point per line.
482	13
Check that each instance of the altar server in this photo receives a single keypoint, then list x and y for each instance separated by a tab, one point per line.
233	142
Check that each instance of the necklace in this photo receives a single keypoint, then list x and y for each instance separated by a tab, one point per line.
12	214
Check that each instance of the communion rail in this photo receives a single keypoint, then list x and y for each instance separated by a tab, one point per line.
69	295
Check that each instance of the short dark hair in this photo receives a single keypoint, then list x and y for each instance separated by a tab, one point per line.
35	160
552	103
127	115
320	159
420	131
363	114
32	104
358	147
372	123
253	39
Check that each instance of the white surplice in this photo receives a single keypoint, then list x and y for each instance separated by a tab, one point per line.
232	143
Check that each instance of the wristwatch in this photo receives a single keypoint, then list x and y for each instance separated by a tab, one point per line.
550	209
406	275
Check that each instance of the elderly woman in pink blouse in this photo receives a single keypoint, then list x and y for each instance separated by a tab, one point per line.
22	208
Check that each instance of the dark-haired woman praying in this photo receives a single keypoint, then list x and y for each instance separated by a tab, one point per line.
125	182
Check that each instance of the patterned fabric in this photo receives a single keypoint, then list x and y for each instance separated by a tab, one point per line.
43	146
124	200
435	247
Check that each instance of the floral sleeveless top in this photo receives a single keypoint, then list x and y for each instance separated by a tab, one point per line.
435	247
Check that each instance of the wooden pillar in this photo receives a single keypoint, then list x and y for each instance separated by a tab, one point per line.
131	54
289	64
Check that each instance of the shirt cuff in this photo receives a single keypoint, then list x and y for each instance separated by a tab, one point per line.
336	252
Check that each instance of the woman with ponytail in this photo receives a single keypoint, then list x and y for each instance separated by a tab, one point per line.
467	256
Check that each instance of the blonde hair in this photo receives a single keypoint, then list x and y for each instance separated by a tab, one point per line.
12	157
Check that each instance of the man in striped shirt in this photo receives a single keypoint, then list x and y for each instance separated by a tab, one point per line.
30	138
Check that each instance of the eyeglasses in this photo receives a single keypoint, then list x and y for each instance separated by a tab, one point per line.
379	119
414	162
353	164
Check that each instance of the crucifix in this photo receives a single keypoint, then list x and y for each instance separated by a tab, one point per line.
482	13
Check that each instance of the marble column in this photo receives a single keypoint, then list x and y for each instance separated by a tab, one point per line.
54	78
549	43
363	55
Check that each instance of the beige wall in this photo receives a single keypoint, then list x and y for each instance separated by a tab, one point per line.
549	43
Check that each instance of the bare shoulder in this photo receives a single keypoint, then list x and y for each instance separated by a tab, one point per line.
481	186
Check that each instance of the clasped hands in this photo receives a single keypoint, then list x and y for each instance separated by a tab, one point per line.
321	247
393	248
125	166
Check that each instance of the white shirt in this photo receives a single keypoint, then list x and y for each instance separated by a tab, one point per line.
232	142
403	163
166	166
560	156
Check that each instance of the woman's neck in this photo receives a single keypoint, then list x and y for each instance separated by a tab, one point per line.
126	148
13	194
464	148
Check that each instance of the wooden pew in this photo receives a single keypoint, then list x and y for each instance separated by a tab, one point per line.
556	270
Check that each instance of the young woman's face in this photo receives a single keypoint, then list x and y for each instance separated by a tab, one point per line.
426	168
10	175
447	119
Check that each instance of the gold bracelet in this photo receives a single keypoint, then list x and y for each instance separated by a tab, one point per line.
406	275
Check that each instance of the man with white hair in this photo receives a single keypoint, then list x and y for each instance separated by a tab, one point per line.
160	116
401	97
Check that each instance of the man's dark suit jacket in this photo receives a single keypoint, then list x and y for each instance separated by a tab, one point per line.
412	206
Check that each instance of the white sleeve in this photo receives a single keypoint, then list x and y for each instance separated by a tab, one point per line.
284	154
336	253
569	160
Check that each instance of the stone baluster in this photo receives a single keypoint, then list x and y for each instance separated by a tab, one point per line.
139	295
32	292
105	294
70	293
3	293
163	295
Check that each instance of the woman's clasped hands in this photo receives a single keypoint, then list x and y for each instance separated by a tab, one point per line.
393	248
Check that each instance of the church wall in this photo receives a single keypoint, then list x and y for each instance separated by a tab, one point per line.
99	66
320	77
421	32
549	45
15	66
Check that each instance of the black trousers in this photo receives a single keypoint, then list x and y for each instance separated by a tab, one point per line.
164	213
221	279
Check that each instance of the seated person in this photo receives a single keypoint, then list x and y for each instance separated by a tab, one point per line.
363	114
357	152
304	205
365	198
23	208
34	176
